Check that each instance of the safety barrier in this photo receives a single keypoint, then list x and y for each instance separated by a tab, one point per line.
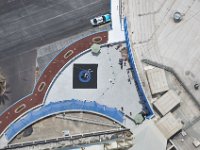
136	77
107	134
59	107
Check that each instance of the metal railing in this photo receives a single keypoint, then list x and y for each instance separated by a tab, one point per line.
79	139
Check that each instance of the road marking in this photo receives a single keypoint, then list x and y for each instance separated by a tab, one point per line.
60	15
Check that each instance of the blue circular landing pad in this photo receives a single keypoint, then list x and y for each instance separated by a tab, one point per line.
85	76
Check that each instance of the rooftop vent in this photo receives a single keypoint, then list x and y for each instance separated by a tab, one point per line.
177	17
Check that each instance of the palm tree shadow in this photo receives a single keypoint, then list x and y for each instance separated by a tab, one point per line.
5	96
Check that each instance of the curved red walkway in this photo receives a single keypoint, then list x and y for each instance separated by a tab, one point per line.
37	97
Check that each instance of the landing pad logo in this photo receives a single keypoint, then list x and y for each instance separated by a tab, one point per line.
85	76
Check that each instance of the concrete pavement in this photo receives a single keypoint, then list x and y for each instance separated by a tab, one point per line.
113	88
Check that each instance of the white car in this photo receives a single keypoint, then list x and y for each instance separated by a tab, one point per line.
100	20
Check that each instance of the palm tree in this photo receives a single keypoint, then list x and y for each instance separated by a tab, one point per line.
2	84
3	90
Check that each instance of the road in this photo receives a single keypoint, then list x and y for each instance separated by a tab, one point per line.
27	24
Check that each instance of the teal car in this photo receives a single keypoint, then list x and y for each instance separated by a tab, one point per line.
101	20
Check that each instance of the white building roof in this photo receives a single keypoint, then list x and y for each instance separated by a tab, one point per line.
167	102
157	80
149	137
169	125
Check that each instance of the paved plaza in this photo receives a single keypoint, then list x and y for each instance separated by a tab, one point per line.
113	87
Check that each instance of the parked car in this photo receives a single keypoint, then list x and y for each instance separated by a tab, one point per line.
101	20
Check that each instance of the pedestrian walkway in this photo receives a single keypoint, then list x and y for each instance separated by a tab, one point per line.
116	34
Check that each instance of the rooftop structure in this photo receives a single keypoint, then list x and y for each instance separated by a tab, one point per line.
169	125
167	102
157	80
60	107
157	37
149	137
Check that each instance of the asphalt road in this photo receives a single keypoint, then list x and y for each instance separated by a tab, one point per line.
27	24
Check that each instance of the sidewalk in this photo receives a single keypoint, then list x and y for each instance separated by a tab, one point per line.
116	34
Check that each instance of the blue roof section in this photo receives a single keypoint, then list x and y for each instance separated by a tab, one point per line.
59	107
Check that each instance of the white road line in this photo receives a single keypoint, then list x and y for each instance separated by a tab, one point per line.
54	17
